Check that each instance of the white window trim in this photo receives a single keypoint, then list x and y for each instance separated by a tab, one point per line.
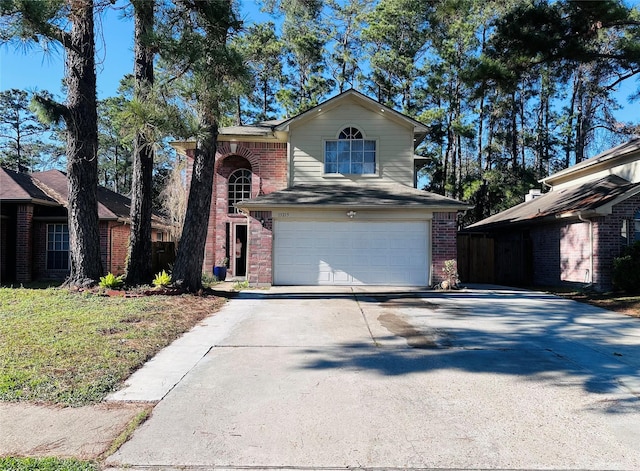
229	204
375	139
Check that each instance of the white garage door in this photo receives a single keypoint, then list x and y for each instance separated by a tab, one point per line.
350	253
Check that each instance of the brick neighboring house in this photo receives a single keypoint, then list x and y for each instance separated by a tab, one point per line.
327	198
570	234
34	231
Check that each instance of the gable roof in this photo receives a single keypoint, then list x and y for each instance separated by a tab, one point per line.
419	129
601	161
587	199
50	188
387	196
277	129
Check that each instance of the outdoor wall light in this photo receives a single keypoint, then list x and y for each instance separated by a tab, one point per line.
351	214
233	146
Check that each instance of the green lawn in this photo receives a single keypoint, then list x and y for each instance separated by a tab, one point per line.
45	464
71	348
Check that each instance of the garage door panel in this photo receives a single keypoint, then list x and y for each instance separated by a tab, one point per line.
350	253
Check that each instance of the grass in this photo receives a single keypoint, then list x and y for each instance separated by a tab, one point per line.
619	302
127	432
71	348
45	464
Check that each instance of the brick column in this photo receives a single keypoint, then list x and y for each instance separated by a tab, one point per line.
259	260
444	244
24	243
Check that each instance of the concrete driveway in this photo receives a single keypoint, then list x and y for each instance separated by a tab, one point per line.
317	378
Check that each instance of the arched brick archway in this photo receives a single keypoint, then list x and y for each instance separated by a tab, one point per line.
224	152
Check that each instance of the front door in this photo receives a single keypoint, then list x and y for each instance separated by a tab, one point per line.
239	250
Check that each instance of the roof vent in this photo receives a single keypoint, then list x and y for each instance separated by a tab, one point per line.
533	194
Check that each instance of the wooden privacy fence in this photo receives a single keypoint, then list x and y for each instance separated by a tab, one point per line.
476	258
163	255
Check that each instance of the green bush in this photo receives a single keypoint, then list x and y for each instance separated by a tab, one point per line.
626	269
111	281
162	280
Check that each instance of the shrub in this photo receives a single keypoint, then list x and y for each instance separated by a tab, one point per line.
626	269
111	281
162	280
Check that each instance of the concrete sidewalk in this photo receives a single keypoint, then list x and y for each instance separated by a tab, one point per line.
312	378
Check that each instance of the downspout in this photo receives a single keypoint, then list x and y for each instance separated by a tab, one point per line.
581	218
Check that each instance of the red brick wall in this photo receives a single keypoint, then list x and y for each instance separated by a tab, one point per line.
268	163
24	245
114	245
575	252
608	241
40	254
443	243
562	252
259	260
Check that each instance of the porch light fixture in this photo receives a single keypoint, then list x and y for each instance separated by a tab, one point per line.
233	146
351	214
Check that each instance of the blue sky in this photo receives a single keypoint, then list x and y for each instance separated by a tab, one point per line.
31	70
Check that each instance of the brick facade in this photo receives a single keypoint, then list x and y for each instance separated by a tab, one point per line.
260	248
268	163
24	239
31	249
443	243
608	239
562	252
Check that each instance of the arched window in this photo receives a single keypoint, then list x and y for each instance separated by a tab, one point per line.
239	188
351	153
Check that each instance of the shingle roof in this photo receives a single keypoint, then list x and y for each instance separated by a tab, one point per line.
586	197
51	187
20	187
382	196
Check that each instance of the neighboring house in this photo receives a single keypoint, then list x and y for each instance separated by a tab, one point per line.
570	234
327	198
34	232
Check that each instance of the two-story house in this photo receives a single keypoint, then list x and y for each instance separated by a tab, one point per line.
570	234
328	198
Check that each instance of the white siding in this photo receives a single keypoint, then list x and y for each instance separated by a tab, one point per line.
394	149
629	170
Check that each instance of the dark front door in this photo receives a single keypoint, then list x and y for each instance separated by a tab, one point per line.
240	250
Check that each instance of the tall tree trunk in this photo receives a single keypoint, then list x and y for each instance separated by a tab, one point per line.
82	147
187	270
139	268
514	131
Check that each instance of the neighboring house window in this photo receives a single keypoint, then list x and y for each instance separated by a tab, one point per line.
160	236
57	247
350	153
239	188
636	226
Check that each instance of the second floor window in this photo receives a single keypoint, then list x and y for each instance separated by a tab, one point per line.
239	188
350	153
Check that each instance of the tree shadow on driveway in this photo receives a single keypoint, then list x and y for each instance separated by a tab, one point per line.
534	336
